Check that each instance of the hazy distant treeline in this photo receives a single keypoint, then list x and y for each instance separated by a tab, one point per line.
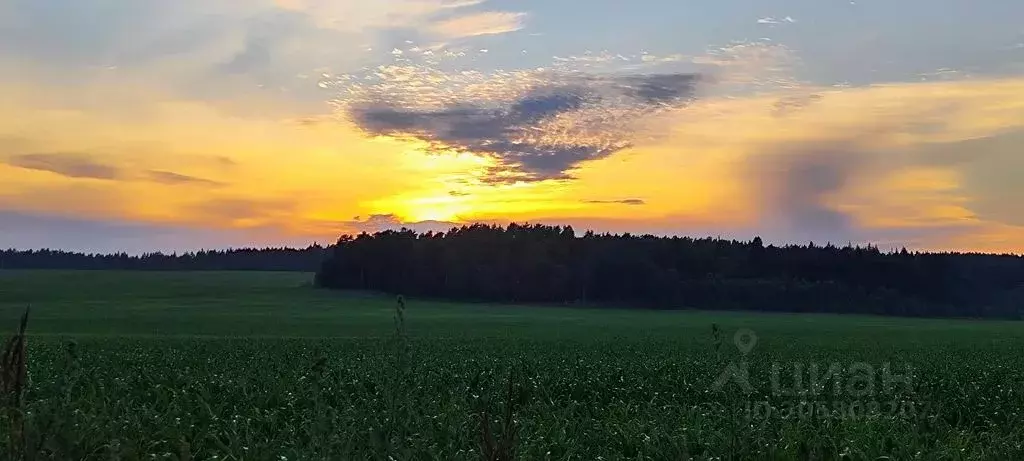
550	264
266	259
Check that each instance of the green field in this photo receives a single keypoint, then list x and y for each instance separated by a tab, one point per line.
253	366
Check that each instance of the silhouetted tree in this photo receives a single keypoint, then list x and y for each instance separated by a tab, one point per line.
306	259
550	264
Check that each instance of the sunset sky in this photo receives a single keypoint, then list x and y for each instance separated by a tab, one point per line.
181	124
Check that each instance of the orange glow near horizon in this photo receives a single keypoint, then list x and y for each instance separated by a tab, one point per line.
719	163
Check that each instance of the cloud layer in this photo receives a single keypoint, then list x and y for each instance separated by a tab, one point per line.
485	23
445	19
83	166
552	125
71	166
626	201
212	115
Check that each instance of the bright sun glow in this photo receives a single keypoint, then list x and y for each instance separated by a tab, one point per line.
450	209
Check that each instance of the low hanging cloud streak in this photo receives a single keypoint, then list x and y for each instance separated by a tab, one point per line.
542	132
628	201
78	166
173	179
67	165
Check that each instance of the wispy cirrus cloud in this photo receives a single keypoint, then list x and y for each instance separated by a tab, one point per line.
221	52
591	59
218	52
358	16
63	164
773	21
627	201
175	179
484	23
82	166
446	19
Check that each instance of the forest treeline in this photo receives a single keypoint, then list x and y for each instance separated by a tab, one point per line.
257	259
551	264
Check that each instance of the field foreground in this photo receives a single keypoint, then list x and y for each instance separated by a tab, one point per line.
253	366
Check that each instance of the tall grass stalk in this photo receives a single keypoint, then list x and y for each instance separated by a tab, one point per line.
13	375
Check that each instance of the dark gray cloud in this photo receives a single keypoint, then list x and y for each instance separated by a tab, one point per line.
660	88
536	107
174	179
64	164
518	133
628	201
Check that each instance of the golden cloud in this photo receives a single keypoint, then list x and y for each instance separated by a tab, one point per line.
485	23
